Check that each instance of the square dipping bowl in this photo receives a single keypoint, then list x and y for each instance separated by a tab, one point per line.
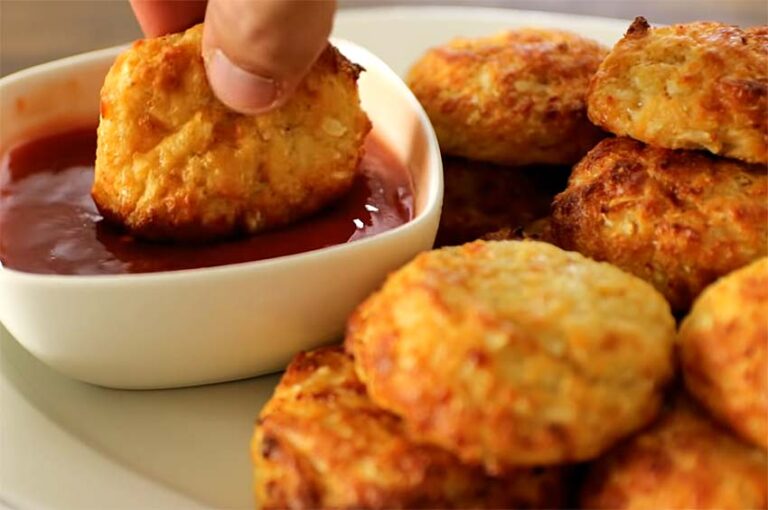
198	326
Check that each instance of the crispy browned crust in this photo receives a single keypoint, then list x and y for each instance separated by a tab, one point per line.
321	443
174	163
481	198
700	85
724	351
678	219
516	98
515	353
685	461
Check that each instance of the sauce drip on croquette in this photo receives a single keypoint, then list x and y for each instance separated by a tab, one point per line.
50	225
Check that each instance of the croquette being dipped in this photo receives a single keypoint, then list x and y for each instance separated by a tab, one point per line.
174	163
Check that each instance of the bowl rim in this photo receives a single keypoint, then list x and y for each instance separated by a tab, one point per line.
434	184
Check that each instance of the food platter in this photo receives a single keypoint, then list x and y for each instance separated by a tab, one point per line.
67	444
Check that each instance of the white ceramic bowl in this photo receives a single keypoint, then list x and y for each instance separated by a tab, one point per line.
206	325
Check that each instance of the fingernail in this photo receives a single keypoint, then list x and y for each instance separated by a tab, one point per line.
239	89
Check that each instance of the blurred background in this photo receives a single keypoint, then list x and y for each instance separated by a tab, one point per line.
35	31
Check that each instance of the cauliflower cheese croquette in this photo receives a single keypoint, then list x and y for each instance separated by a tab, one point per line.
515	353
322	443
677	219
684	461
516	98
700	85
483	198
174	163
723	345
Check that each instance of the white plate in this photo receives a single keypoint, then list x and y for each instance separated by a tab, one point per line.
65	444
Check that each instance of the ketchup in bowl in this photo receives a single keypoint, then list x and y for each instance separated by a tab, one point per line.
50	225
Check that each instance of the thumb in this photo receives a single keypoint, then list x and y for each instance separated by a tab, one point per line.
256	53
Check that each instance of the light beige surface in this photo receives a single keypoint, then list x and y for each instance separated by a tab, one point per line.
32	32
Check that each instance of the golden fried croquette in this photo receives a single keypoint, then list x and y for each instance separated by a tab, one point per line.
481	198
515	353
685	461
700	85
678	219
321	443
723	346
516	98
175	163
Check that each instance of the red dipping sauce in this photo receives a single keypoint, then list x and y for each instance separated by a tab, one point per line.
50	225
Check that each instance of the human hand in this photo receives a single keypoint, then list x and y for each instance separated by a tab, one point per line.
256	51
